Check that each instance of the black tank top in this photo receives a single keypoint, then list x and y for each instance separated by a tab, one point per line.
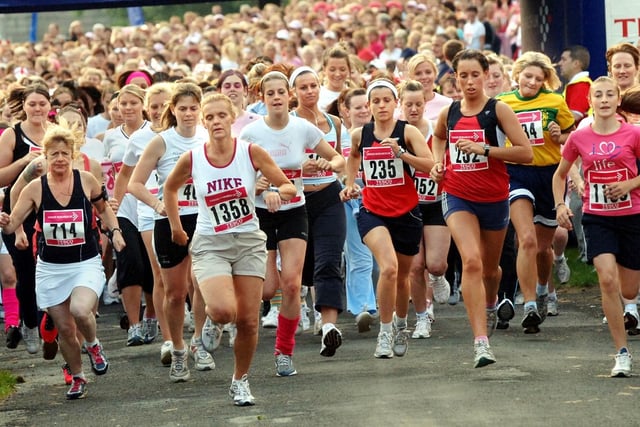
21	148
67	232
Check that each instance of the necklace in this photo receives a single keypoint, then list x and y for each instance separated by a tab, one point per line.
315	116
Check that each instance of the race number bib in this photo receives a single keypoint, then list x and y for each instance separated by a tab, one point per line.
426	187
295	176
63	227
466	162
187	195
33	148
228	209
381	167
531	122
598	182
312	155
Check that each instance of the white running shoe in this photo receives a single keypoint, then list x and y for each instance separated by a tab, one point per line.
201	357
422	329
165	353
623	365
562	270
441	288
384	346
211	335
270	321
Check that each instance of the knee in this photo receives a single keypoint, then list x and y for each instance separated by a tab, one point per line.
290	289
438	268
220	314
389	272
248	324
472	266
527	241
608	284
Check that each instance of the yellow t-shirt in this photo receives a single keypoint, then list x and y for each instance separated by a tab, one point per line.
534	115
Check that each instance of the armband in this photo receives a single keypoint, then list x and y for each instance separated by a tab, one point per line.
103	195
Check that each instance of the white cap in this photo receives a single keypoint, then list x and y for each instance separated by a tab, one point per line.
295	24
330	35
282	35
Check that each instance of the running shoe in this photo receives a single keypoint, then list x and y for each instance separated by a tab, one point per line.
66	373
31	339
284	365
202	360
305	322
317	324
623	365
165	353
542	302
562	270
506	311
241	393
78	389
454	298
430	313
149	330
134	336
483	354
13	336
492	320
270	321
531	321
441	288
552	306
179	366
48	330
630	320
422	329
211	335
331	340
232	330
400	342
364	321
384	346
99	363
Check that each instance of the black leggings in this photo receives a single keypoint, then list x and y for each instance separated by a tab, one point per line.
25	264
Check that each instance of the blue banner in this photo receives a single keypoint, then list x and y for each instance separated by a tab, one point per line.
136	16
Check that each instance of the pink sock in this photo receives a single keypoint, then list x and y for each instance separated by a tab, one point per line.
11	308
285	335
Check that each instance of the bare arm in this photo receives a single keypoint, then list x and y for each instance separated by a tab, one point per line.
438	145
28	201
93	188
559	185
331	160
265	164
9	169
35	169
147	163
351	189
178	176
421	158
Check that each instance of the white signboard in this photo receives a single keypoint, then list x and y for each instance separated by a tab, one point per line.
622	18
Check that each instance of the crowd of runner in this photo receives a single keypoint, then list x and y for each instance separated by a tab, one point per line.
277	167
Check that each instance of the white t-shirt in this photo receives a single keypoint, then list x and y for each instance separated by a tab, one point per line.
287	148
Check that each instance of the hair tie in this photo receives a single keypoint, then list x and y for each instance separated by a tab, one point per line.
382	83
137	74
301	70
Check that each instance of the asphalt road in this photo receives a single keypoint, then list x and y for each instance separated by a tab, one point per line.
559	377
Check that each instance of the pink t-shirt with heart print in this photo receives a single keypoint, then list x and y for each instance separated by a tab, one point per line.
606	159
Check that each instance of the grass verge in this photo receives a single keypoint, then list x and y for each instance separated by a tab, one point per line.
7	383
582	274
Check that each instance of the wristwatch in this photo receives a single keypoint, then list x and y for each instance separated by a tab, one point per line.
400	152
486	150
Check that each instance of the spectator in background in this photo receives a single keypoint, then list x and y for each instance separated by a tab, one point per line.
574	63
474	30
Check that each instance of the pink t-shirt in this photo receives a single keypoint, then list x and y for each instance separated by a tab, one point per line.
606	159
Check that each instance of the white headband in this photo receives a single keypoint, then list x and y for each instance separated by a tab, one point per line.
382	83
301	70
273	74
